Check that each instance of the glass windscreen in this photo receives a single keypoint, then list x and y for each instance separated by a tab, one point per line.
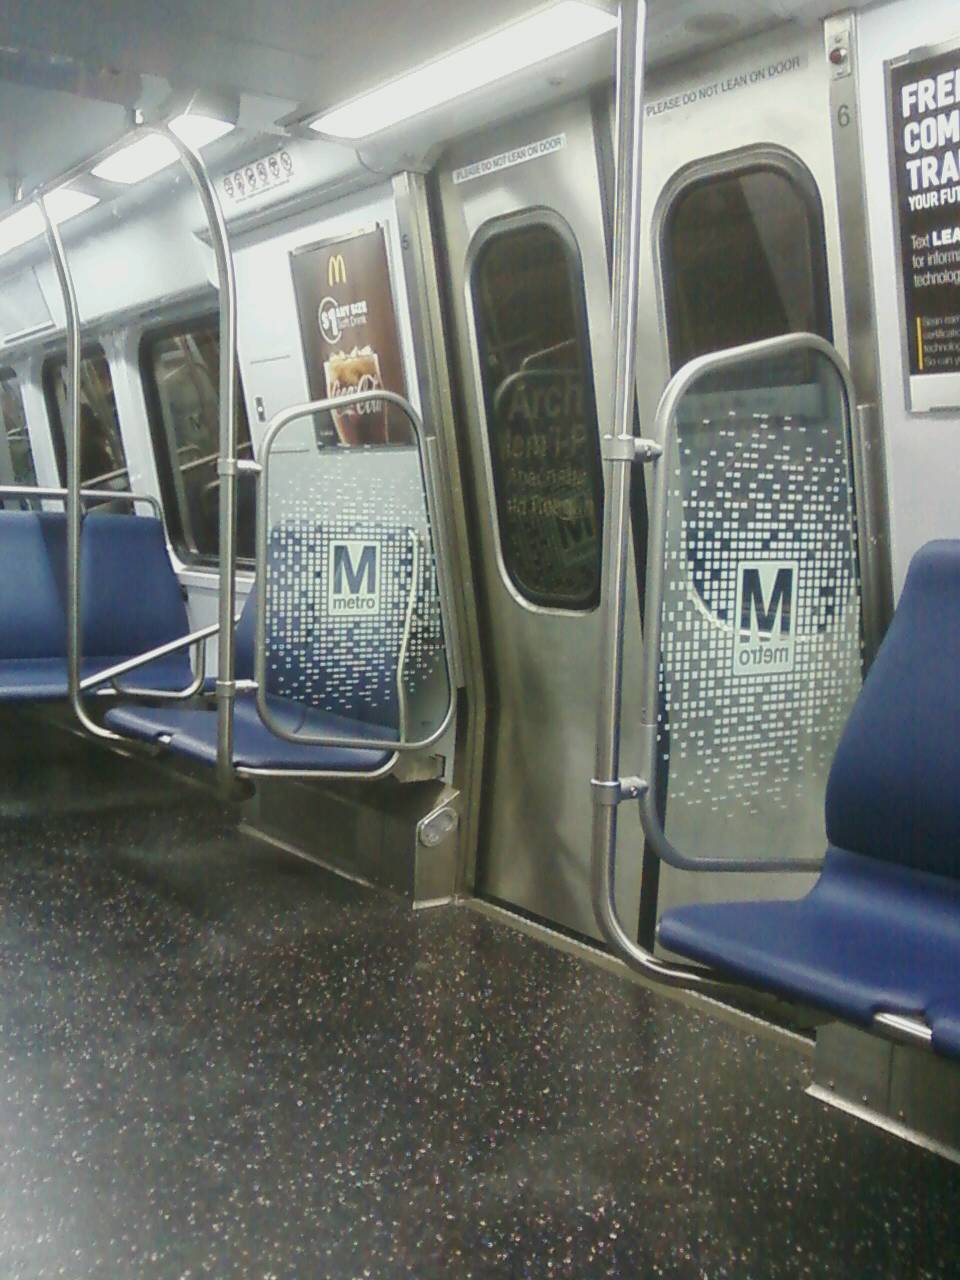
541	413
744	260
761	621
353	623
181	367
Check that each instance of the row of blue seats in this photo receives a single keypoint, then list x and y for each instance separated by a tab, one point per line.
880	931
131	603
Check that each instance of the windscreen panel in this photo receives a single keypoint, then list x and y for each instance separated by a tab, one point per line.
353	636
761	617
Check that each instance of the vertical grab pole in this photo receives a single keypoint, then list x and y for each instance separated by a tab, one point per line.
621	449
227	465
72	440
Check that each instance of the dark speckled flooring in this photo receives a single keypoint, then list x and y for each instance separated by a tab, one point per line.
219	1061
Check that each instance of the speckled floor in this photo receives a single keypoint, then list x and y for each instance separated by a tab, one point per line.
218	1061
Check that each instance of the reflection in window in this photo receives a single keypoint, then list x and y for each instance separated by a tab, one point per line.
103	464
541	412
744	260
181	368
16	456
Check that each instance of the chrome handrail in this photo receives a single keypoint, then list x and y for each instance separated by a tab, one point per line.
227	464
626	275
226	687
47	494
72	496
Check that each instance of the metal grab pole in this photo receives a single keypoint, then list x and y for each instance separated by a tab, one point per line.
621	452
72	433
227	465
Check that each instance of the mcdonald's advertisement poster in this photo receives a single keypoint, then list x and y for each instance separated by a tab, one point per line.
350	339
924	106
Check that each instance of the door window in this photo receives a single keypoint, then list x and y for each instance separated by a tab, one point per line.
541	411
18	465
181	370
103	463
744	258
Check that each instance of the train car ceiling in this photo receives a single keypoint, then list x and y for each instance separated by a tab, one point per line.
68	88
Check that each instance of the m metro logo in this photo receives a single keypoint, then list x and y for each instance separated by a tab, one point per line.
766	617
336	270
353	578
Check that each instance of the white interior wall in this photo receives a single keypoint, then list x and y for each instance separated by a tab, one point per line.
923	450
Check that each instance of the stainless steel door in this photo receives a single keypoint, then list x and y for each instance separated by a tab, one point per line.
524	232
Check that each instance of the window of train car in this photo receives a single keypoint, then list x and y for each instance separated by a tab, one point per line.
181	372
744	258
16	463
541	415
103	463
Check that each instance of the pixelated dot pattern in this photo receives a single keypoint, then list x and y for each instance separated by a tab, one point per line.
753	487
347	665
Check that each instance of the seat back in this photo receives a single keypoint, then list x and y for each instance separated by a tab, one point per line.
894	788
131	600
32	617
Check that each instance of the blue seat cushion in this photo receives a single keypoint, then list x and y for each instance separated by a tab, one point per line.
129	594
45	679
870	937
192	732
894	789
131	602
33	622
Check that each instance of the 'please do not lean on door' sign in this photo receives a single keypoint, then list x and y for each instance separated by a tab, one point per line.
924	113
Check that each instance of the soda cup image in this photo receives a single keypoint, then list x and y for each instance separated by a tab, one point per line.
346	374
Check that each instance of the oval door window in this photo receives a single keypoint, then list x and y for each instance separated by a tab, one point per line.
541	413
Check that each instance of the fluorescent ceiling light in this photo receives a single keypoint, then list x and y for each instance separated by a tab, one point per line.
523	44
199	131
151	153
27	223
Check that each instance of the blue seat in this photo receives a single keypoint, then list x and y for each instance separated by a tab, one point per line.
880	931
130	602
330	675
192	732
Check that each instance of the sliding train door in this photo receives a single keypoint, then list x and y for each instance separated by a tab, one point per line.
522	214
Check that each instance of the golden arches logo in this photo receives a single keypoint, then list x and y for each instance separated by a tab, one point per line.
336	270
